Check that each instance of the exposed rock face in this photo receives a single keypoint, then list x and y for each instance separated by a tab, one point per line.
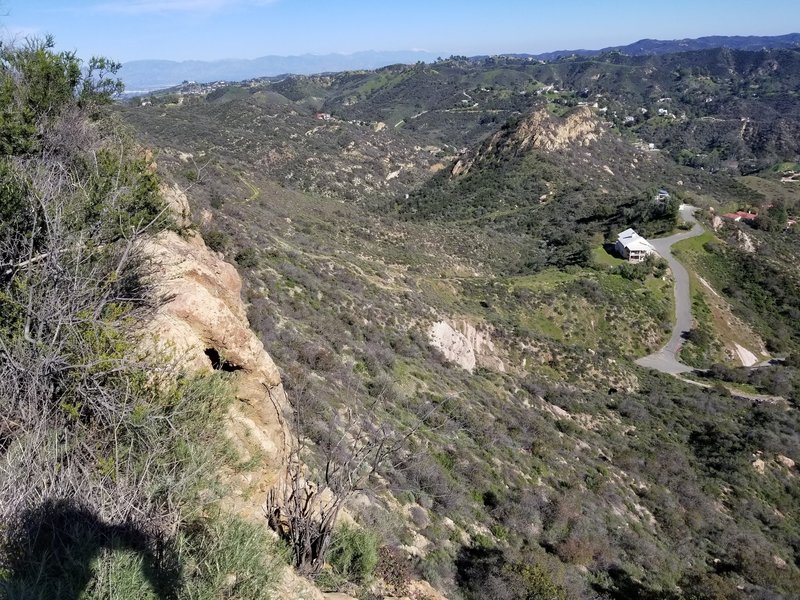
455	347
543	130
463	344
745	242
297	587
540	130
419	590
747	358
204	323
178	203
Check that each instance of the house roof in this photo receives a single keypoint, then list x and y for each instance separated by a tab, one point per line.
640	244
747	216
633	241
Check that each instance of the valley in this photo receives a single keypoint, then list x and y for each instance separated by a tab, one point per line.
424	245
500	327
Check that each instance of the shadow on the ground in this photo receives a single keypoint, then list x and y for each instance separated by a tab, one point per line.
611	250
51	550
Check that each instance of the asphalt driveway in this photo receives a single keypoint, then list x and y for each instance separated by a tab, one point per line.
665	360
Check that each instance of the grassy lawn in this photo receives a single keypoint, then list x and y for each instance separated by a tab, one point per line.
693	246
602	258
743	387
718	317
542	323
773	190
661	291
578	307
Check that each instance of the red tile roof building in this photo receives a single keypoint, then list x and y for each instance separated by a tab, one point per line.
740	216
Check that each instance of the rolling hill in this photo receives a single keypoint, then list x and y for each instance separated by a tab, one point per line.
425	246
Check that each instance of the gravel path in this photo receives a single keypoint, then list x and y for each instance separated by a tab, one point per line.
665	360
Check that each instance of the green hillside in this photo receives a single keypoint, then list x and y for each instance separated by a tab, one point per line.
427	255
555	468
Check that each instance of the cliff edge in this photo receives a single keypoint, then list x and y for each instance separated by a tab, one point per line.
203	322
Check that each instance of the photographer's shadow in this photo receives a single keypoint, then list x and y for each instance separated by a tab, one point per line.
54	546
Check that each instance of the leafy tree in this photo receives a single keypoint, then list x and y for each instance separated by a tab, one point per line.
99	84
37	84
773	219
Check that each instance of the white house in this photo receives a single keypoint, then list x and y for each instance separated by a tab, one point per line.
633	247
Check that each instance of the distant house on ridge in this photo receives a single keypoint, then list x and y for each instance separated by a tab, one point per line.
633	247
740	216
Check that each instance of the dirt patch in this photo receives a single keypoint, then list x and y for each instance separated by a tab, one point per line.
748	358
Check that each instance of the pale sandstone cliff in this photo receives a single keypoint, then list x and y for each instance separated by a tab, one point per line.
463	344
203	322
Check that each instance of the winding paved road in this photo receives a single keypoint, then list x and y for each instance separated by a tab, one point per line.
665	360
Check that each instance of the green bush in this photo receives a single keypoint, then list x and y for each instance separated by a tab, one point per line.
37	84
230	558
122	195
247	258
218	558
537	582
216	240
111	451
354	553
632	272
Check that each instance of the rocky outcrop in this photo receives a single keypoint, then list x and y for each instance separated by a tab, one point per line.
453	345
464	345
540	130
177	203
745	242
203	323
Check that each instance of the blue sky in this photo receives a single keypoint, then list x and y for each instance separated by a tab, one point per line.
214	29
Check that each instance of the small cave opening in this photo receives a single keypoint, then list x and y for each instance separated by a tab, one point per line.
218	364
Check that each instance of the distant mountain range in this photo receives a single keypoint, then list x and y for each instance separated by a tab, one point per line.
648	47
147	75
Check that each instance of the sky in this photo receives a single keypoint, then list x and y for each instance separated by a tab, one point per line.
128	30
